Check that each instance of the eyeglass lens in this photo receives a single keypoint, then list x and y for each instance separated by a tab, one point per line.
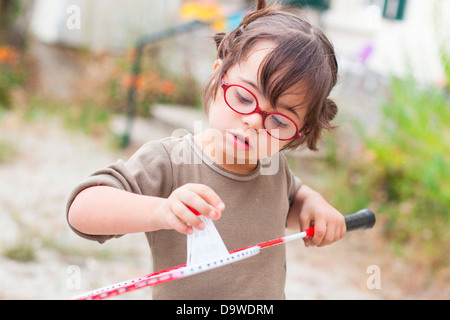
243	101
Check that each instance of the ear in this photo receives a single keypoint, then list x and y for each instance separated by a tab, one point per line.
217	64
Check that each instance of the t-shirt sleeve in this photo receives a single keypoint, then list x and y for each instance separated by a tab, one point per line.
295	185
293	182
147	172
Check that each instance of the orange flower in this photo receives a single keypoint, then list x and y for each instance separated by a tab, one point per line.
130	80
7	55
167	87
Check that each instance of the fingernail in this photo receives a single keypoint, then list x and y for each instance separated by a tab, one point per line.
212	214
221	206
201	226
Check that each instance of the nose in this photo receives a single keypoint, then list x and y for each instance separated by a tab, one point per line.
253	121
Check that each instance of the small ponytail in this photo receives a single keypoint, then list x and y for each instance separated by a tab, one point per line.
224	42
218	39
329	112
261	4
313	134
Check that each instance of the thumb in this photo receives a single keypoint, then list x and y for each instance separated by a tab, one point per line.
305	224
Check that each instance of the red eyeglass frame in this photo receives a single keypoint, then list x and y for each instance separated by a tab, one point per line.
264	114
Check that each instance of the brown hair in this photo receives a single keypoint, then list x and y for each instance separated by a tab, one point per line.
302	55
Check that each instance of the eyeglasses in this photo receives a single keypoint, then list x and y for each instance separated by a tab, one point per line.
243	101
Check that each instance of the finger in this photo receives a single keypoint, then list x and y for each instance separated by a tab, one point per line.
343	229
307	242
320	229
337	233
329	237
186	216
197	206
305	223
201	199
176	224
340	231
209	195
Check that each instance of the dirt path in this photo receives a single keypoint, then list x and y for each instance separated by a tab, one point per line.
34	186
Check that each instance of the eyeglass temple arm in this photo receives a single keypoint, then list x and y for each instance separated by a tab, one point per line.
302	132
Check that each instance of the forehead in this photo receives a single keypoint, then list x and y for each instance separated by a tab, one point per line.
250	64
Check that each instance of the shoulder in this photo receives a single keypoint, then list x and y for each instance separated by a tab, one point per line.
158	149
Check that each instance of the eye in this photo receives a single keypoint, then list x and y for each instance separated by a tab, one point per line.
244	97
278	121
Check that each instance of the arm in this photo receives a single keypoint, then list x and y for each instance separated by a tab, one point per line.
105	210
310	208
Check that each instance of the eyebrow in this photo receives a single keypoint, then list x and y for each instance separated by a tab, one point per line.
282	106
289	108
255	86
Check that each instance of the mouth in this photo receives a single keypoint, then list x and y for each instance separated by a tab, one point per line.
240	141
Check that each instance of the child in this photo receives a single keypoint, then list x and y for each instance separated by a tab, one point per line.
268	93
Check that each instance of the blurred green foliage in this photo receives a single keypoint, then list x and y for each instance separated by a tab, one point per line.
12	74
413	149
7	151
401	172
407	167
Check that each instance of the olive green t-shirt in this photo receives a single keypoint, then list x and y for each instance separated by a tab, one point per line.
257	205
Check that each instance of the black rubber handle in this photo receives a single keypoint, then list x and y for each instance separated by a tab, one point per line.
363	219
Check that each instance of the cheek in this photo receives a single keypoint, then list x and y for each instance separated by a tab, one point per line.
268	146
220	116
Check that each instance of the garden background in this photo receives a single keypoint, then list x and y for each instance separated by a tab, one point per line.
65	79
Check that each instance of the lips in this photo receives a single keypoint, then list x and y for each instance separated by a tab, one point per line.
241	138
240	141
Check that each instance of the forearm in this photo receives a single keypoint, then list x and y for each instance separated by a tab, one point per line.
108	211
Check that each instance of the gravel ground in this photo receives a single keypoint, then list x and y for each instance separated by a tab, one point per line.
34	184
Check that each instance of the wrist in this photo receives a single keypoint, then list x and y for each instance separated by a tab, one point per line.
152	209
306	193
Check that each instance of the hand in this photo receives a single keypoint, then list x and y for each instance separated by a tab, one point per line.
175	212
329	224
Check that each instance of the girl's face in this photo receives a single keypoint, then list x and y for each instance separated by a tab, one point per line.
237	141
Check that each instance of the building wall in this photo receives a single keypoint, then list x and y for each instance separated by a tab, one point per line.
116	25
111	25
409	46
399	47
